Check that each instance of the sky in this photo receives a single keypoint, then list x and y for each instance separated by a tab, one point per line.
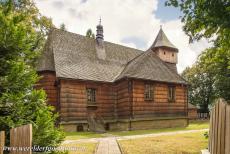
133	23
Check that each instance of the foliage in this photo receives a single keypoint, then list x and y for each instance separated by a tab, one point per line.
22	36
63	27
90	34
206	135
217	61
201	82
205	18
208	19
209	77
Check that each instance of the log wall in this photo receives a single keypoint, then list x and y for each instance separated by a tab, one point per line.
167	55
192	113
47	82
73	100
113	100
123	99
159	106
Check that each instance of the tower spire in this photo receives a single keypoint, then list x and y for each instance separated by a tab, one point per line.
99	35
100	49
162	40
100	21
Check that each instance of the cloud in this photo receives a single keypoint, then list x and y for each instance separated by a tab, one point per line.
58	4
127	22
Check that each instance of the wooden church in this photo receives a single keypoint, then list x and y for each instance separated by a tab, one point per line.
98	85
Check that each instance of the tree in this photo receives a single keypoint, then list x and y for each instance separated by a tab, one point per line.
90	34
210	19
22	36
201	86
216	60
62	27
205	18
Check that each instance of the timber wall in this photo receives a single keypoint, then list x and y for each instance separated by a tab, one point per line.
159	106
73	100
47	82
123	99
192	113
114	101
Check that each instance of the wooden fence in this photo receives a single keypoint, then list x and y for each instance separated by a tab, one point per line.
2	141
219	133
20	140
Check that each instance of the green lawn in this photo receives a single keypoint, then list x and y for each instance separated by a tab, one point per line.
194	125
191	143
81	135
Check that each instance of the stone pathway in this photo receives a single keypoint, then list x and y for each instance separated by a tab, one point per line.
108	145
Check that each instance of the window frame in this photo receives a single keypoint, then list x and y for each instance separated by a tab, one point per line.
91	93
148	92
171	94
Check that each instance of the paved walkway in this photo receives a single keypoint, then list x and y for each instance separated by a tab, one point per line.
108	146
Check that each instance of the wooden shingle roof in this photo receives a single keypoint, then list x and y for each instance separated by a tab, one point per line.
162	41
74	56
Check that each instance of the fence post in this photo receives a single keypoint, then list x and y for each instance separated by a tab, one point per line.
2	141
21	140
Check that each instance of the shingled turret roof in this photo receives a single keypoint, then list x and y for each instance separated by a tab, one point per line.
162	41
74	56
149	66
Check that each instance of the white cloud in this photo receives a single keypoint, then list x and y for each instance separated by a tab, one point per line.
121	19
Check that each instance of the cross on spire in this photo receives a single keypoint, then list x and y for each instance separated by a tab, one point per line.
100	21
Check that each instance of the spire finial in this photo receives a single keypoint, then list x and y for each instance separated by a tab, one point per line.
99	35
100	21
160	26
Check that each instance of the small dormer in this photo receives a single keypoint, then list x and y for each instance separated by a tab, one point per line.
165	50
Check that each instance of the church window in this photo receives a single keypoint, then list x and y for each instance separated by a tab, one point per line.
171	93
91	95
148	92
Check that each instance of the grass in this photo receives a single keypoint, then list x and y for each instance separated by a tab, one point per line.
187	143
81	148
81	135
194	125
